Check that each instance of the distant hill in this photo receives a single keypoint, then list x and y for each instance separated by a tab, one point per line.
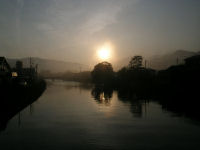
164	61
53	66
160	62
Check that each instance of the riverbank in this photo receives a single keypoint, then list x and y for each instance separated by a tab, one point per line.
15	98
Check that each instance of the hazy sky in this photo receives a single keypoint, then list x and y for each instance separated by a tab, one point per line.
71	30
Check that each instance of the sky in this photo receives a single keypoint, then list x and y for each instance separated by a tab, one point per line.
73	30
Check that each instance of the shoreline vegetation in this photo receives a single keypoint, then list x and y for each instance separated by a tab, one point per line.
137	78
176	88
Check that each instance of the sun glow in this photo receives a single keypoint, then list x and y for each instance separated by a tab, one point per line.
104	52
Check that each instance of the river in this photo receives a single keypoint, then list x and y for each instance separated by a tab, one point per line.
73	116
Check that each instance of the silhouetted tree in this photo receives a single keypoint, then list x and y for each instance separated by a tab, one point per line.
103	73
135	62
135	77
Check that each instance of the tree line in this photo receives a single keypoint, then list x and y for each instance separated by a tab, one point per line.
175	88
135	77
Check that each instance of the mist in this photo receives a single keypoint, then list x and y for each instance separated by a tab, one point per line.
72	30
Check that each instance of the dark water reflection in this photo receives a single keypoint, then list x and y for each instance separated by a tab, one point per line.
137	106
73	116
102	95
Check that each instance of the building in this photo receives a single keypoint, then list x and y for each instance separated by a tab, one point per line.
5	69
25	73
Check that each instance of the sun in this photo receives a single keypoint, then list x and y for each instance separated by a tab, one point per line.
104	52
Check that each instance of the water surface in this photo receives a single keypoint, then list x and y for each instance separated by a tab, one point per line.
70	116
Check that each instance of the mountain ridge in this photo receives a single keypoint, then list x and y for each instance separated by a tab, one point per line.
51	65
159	62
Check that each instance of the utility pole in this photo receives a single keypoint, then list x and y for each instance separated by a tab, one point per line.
145	63
30	62
36	68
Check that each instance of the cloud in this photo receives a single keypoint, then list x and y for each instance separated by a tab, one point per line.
71	27
20	3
